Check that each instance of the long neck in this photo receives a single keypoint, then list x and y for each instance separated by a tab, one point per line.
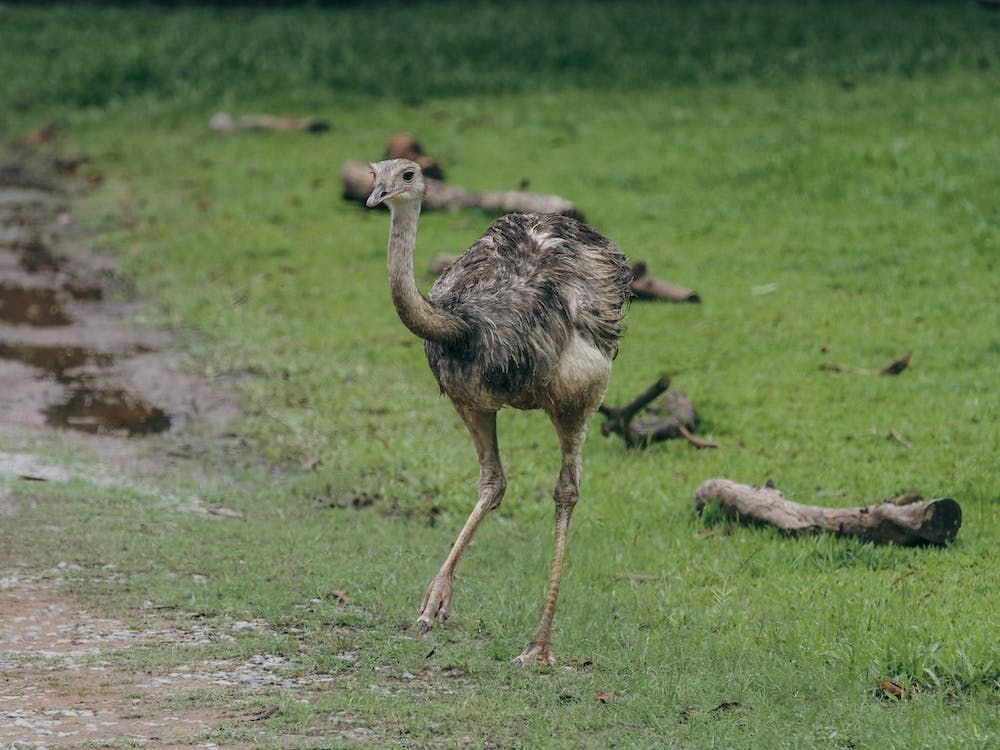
422	317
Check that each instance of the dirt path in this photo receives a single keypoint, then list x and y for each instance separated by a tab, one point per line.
79	378
70	355
58	688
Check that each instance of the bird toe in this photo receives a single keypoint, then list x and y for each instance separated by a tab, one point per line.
534	653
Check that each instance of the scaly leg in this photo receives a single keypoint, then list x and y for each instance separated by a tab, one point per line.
492	483
566	494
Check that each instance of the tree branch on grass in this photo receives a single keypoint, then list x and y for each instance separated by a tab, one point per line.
223	122
357	179
673	416
906	520
648	287
893	368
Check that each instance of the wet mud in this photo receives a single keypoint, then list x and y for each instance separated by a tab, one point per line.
87	392
72	356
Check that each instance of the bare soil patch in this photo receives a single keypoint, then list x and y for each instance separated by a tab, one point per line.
77	372
58	688
71	356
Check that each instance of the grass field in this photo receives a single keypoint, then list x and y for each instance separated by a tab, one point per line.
824	175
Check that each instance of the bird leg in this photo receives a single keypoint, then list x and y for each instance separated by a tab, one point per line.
566	494
492	484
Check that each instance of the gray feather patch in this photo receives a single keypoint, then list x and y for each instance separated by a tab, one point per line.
524	287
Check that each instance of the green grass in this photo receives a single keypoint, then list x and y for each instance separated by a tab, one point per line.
841	156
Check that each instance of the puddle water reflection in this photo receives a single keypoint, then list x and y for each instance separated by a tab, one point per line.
107	410
31	306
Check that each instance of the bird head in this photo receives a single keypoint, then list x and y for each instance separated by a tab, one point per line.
396	181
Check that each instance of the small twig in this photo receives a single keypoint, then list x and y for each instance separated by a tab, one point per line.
900	439
893	368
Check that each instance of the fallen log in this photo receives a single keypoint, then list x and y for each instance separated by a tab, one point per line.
906	520
357	179
223	122
671	417
405	146
893	368
645	286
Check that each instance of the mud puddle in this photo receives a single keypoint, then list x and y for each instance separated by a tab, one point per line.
87	392
71	356
107	410
55	359
38	306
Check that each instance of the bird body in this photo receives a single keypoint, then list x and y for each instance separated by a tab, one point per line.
528	316
539	291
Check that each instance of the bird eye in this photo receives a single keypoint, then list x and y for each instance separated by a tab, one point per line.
408	175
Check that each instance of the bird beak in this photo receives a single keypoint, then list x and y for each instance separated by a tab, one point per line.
378	195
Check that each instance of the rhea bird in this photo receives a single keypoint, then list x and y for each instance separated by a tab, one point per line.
529	316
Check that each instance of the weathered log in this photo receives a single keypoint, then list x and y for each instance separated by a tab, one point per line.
671	417
405	146
906	520
619	417
223	122
645	286
357	179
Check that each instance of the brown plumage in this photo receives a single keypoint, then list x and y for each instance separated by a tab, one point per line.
529	316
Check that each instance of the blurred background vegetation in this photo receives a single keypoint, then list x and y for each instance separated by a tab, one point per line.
179	56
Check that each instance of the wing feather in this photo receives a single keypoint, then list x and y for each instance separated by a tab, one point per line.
525	286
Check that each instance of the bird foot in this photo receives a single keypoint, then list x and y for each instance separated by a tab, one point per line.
535	653
436	604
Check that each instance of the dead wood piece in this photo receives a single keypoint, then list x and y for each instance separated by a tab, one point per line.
896	366
223	122
405	146
645	286
621	416
672	416
696	441
894	435
904	521
358	183
893	368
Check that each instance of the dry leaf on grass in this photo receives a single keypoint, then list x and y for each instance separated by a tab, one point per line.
889	689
